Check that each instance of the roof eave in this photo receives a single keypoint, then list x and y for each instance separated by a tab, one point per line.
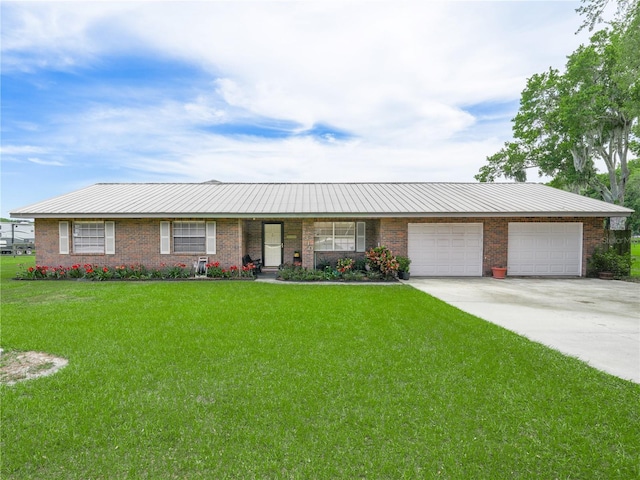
72	215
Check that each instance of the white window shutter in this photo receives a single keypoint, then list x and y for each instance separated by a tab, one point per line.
361	229
109	238
165	238
211	238
63	234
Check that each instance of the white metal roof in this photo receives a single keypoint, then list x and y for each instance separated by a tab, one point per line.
262	200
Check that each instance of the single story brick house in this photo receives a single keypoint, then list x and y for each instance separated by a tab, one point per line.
447	229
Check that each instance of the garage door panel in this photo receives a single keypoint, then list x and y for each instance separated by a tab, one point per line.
458	243
474	243
458	257
541	256
460	230
443	229
557	269
458	270
573	256
558	257
559	242
526	256
526	242
541	243
545	248
427	229
428	243
445	249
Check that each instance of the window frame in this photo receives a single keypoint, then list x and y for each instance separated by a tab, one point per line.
168	230
185	232
91	237
355	236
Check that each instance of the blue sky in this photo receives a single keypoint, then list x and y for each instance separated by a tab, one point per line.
159	91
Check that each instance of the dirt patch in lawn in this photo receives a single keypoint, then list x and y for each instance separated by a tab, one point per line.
18	366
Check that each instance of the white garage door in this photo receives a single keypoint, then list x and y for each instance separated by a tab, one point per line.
545	249
445	249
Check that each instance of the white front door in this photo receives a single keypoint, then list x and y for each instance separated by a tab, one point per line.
272	244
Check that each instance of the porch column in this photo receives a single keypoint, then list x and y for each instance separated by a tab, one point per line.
240	241
307	243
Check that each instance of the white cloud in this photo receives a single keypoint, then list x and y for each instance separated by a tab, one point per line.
397	76
46	163
372	68
21	150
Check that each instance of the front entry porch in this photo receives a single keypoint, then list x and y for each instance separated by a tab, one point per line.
281	241
275	241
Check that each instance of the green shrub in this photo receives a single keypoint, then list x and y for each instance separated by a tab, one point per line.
608	260
344	265
354	276
178	270
322	264
403	263
360	265
330	274
300	274
380	259
297	273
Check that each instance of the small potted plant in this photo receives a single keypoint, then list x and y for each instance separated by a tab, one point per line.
403	267
499	272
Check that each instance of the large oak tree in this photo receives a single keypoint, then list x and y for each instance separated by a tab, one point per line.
570	122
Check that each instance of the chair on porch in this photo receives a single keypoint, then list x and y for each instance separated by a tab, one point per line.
257	264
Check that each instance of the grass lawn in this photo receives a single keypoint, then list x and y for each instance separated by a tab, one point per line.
251	380
635	255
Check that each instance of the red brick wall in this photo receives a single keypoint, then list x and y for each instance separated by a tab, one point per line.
292	239
593	235
307	243
138	240
393	234
252	238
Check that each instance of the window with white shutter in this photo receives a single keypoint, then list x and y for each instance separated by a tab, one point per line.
361	230
63	235
165	238
211	238
110	238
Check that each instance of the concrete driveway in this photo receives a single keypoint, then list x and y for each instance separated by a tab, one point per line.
595	320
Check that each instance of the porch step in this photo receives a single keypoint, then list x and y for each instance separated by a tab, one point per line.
269	269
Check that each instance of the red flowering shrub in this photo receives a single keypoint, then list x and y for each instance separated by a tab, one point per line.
214	270
130	272
344	265
382	260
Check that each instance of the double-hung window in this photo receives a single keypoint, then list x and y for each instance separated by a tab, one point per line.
93	237
339	236
188	237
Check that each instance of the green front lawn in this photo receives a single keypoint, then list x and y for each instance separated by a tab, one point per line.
635	255
252	380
